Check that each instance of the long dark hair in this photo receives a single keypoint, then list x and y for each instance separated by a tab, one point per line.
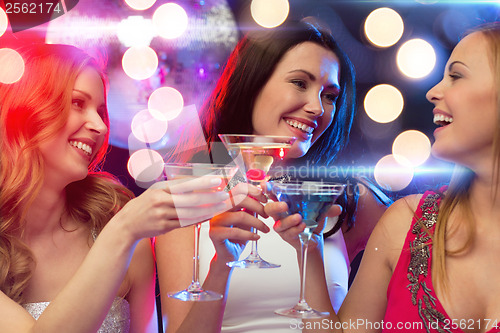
229	108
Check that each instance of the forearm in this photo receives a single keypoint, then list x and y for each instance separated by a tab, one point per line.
92	289
207	316
317	294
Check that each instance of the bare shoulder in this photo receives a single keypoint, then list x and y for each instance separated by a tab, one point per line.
392	228
367	296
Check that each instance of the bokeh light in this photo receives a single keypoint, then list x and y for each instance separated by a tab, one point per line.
12	66
145	165
416	58
140	4
269	13
140	62
383	103
4	22
391	175
411	148
165	103
170	20
148	129
135	31
384	27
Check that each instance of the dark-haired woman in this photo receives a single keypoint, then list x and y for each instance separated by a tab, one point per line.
293	80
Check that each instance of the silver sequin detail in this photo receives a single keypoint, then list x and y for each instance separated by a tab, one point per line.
419	265
117	320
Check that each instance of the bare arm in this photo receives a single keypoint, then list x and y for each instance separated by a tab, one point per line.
229	232
366	300
95	284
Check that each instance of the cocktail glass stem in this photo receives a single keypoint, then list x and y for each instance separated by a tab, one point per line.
254	252
304	243
195	285
302	309
253	260
194	292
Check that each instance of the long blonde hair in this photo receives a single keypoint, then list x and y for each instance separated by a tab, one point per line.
457	195
33	110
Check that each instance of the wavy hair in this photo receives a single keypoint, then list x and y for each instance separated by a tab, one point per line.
457	195
33	110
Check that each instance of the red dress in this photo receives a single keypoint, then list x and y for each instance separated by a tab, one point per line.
412	304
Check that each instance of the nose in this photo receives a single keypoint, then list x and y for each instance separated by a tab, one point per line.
314	105
96	124
435	93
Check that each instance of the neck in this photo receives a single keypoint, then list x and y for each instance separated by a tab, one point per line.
44	215
485	196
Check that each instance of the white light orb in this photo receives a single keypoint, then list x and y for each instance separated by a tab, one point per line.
12	66
416	58
145	165
165	103
411	148
148	129
140	4
269	13
383	103
391	175
135	31
170	20
4	22
384	27
140	62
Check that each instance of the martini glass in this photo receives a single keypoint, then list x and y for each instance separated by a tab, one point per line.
254	155
187	172
310	199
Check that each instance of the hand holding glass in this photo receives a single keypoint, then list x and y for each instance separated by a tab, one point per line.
187	172
254	154
311	200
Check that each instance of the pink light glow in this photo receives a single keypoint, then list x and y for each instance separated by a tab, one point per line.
140	62
170	20
148	129
165	103
145	165
140	4
12	68
4	21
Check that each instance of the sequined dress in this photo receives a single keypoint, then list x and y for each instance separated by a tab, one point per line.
117	320
412	304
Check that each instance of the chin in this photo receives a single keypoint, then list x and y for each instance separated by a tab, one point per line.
297	151
442	154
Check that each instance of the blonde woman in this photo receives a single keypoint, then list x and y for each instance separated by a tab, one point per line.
431	264
74	247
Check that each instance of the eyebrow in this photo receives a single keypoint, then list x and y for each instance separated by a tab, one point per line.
83	93
450	66
313	78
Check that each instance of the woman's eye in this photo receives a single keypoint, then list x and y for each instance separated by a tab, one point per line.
331	97
77	103
455	76
299	83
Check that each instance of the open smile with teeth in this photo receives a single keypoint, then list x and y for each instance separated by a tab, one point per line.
83	146
442	120
303	127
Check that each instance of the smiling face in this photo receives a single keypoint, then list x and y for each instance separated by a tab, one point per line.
299	97
68	154
465	104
